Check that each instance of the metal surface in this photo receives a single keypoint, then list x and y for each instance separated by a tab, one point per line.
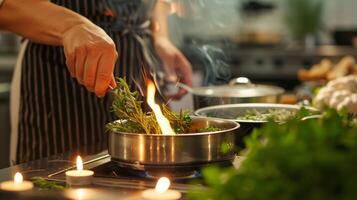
107	184
204	101
123	186
232	111
239	90
175	150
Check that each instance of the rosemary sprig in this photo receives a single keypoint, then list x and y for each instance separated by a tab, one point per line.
44	184
132	119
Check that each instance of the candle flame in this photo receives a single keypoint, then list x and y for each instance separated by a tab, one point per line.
162	185
18	178
161	119
79	163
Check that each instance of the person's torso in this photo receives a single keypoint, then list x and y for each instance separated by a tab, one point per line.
111	13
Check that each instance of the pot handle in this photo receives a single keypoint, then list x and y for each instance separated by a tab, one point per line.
240	81
184	86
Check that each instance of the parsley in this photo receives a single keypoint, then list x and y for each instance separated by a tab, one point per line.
312	159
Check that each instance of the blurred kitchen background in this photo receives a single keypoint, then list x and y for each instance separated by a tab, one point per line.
264	40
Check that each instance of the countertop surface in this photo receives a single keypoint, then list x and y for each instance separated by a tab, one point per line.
45	167
102	188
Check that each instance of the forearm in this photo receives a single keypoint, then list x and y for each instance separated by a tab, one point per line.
159	19
38	20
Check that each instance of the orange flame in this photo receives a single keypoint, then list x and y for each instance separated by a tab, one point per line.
161	119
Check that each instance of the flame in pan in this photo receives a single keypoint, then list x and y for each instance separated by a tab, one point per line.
161	119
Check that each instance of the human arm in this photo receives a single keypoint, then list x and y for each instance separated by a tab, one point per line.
90	52
176	66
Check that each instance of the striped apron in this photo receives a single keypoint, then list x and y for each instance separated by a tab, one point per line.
56	113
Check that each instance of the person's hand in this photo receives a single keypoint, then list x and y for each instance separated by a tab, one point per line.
176	66
90	57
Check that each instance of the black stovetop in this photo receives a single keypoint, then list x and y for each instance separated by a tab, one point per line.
110	173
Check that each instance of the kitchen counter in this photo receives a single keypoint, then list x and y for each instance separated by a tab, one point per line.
44	167
102	188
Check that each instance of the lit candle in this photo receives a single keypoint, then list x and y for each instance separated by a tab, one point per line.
79	176
161	191
17	185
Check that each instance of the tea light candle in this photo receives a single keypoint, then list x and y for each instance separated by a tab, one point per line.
161	191
79	176
17	185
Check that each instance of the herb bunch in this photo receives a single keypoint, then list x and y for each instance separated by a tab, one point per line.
132	119
312	159
43	184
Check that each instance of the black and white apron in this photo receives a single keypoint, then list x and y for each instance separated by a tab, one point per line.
56	113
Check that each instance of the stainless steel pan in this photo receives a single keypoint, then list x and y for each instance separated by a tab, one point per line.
138	150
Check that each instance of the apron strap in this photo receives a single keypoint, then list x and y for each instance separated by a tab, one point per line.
15	103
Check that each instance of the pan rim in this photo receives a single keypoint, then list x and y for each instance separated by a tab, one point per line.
252	105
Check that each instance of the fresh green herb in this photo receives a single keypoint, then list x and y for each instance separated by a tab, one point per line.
226	147
133	119
44	184
311	159
208	129
354	121
180	122
274	114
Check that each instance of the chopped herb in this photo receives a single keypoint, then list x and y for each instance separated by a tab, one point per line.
275	114
44	184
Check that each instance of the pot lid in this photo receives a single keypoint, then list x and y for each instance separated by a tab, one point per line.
240	87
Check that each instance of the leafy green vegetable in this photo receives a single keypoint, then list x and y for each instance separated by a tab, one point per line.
128	108
275	114
44	184
311	159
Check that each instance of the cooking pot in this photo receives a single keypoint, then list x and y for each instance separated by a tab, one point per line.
233	111
239	90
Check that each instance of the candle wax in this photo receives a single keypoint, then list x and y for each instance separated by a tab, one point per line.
79	173
16	187
79	177
151	194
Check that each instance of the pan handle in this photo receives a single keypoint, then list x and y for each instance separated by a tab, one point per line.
184	86
240	81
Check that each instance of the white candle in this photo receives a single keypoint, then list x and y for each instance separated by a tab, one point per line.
16	185
161	191
79	176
